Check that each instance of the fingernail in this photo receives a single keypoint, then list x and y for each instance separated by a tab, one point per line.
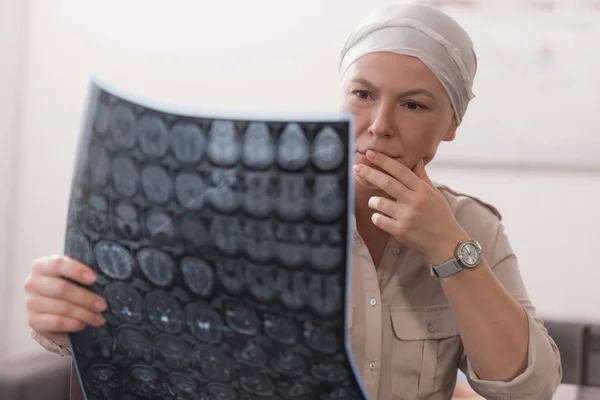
371	154
371	201
357	168
101	320
100	306
89	277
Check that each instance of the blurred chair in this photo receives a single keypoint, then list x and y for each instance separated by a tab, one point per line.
43	376
568	336
591	356
579	346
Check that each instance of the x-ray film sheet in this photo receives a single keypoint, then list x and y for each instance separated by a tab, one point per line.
222	246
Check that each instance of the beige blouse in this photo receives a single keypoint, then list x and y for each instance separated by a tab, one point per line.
404	338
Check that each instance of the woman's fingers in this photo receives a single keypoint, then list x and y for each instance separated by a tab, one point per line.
44	305
47	280
66	267
386	206
56	304
52	323
61	289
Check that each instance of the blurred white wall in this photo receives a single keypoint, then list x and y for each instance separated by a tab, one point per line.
536	104
13	16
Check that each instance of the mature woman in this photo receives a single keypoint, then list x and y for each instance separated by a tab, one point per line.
436	285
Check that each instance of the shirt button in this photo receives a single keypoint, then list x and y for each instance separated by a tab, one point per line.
430	328
396	250
373	302
372	365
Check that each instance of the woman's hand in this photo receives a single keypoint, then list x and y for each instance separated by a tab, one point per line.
55	305
414	211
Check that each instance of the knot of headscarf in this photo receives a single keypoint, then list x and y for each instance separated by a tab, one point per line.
426	33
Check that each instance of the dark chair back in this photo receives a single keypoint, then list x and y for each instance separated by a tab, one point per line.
579	345
591	356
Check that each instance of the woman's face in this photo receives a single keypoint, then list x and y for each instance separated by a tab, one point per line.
400	108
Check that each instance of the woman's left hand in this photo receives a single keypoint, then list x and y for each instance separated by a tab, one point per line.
417	214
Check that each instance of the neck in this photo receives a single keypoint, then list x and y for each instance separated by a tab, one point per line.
363	212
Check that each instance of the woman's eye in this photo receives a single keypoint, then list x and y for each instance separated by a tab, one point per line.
414	106
361	95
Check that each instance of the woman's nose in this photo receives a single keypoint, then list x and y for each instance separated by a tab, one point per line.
382	123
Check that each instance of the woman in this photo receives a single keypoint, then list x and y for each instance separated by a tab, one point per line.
436	285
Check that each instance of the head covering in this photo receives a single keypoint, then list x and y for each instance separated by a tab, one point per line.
426	33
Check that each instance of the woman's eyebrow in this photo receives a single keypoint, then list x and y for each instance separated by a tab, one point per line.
399	96
365	82
414	92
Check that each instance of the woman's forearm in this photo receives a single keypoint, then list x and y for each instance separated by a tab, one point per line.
494	327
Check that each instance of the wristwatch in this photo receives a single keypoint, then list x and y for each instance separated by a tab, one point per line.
466	255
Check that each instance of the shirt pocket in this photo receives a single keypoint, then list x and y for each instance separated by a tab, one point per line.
424	340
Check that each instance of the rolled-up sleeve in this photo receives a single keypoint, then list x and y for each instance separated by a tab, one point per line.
544	372
539	380
50	345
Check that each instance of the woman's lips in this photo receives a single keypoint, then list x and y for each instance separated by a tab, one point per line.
364	155
361	158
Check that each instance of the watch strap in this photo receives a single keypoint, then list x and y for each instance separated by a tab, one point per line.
445	269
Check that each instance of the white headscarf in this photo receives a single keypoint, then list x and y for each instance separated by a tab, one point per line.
426	33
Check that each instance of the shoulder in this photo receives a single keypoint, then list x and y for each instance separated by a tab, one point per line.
468	204
481	220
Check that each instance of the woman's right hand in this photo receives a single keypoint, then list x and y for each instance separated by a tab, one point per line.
56	306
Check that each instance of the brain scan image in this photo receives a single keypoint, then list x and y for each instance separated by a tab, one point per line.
198	275
127	220
204	322
188	142
124	302
293	148
258	146
122	124
224	148
164	312
293	200
125	176
327	151
172	351
80	247
96	213
220	244
156	266
98	343
259	200
159	227
156	184
153	136
190	190
224	194
100	162
114	260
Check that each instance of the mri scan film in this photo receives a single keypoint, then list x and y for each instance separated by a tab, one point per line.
222	246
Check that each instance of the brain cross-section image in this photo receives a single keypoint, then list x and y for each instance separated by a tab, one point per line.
221	246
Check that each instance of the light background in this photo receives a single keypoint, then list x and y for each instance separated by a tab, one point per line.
529	144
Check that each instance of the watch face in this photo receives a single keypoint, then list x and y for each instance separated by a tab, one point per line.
469	255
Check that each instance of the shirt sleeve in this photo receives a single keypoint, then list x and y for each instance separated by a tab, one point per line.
50	345
544	372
